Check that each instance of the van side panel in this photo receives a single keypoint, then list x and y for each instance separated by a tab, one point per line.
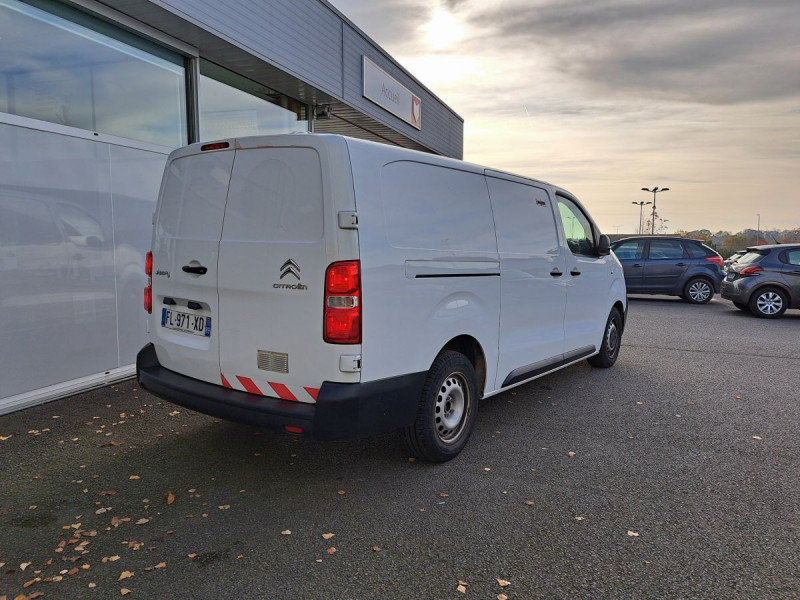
533	265
430	269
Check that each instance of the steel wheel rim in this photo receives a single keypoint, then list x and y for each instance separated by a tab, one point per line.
451	406
699	291
612	338
770	303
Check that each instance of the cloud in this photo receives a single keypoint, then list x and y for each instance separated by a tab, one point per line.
709	52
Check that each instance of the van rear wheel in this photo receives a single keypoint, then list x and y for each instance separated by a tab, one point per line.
446	411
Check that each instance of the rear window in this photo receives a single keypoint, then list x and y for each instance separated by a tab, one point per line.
792	257
699	250
193	200
437	208
750	257
275	196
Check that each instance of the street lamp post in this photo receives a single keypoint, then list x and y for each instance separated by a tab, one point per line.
655	191
641	208
758	232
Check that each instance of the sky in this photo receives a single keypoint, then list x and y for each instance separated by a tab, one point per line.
605	97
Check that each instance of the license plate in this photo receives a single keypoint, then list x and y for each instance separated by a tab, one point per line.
731	276
181	321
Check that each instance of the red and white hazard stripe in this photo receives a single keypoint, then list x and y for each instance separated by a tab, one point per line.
295	393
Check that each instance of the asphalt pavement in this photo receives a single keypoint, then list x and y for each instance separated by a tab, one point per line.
675	474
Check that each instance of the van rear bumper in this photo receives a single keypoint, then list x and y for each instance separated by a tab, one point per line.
342	410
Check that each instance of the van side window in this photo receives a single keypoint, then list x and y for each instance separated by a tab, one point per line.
577	228
436	208
523	217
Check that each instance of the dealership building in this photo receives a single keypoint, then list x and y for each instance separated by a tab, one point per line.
94	96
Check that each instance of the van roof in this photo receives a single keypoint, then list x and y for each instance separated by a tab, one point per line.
400	153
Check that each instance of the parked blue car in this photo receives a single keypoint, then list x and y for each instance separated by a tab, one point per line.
670	265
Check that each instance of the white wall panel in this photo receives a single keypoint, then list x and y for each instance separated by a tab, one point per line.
68	208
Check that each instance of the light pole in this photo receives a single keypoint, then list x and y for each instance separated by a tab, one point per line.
655	191
758	232
641	208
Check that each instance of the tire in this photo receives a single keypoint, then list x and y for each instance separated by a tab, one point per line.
447	410
769	303
698	291
742	306
612	340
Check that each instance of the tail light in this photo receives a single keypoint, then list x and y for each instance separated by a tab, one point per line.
148	290
342	312
716	259
750	271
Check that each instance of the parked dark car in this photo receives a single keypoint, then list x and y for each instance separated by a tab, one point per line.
670	265
765	281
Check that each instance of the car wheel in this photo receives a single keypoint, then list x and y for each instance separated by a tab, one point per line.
447	410
742	306
768	303
698	291
612	339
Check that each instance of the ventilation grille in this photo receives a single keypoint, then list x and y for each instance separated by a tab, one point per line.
273	361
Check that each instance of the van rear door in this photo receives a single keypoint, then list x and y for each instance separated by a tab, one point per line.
184	326
272	265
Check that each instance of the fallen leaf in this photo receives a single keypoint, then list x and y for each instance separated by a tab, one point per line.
376	548
110	443
529	502
3	438
134	477
579	518
341	492
443	495
100	511
757	437
502	597
28	584
174	413
487	469
461	589
108	493
142	521
37	594
124	591
571	454
72	571
24	566
331	550
114	558
192	555
224	507
92	585
161	565
327	536
286	532
125	575
503	583
461	582
632	533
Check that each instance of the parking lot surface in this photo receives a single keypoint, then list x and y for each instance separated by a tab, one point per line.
672	475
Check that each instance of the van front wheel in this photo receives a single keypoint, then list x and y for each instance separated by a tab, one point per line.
446	411
612	339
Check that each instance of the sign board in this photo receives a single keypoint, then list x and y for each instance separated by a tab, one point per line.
388	93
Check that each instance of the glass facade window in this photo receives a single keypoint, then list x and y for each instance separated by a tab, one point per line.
62	66
234	106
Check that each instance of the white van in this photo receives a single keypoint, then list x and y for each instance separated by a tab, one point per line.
338	288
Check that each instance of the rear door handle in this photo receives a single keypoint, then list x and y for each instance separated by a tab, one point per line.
556	273
574	272
680	264
637	266
198	270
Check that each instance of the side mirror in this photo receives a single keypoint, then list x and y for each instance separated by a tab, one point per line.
604	246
